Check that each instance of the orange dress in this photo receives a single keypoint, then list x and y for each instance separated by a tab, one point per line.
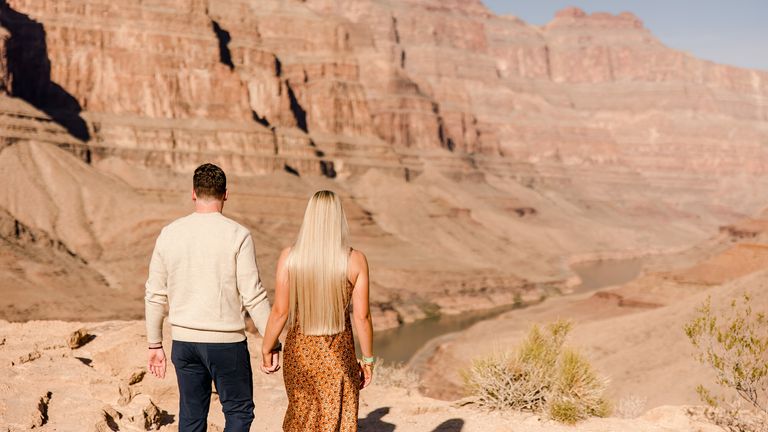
322	379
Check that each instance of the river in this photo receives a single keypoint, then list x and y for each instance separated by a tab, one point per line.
400	344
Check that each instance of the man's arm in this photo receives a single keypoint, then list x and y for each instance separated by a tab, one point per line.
249	285
155	299
156	296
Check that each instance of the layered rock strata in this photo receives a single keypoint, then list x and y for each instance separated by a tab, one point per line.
476	153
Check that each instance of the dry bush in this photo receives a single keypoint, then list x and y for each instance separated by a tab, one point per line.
731	418
394	375
578	388
631	406
540	376
735	345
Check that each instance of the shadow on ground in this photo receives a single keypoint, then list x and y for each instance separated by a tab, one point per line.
452	425
374	423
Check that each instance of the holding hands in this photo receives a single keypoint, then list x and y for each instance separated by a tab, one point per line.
366	373
270	359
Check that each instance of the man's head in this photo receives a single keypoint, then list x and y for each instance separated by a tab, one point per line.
209	183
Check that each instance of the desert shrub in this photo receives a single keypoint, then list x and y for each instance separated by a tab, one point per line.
394	375
631	406
735	345
540	376
577	387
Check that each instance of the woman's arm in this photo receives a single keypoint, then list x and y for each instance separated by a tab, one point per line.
361	312
277	317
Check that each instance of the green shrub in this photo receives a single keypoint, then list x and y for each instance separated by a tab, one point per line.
540	376
735	345
566	412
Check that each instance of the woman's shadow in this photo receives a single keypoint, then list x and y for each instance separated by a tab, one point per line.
374	423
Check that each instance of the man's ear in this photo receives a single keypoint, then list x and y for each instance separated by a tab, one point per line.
226	194
194	195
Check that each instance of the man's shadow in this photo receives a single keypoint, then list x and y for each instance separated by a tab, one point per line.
452	425
374	423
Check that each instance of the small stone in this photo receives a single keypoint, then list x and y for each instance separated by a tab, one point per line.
40	416
126	394
79	338
152	416
109	420
470	400
136	376
31	356
112	412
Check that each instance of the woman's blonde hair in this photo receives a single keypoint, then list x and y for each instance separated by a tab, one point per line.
317	268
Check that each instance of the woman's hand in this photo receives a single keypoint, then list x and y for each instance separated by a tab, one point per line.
366	374
270	361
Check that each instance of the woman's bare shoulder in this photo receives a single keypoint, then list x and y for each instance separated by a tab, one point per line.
357	263
357	257
284	256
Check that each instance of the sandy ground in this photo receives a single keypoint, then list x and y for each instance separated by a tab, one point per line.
49	386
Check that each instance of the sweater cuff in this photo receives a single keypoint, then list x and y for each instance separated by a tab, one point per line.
154	317
260	316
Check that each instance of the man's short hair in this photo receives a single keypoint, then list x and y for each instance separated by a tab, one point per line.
209	181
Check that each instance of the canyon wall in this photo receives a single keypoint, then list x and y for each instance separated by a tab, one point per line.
476	154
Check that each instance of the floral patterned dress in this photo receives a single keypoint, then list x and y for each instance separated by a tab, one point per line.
322	379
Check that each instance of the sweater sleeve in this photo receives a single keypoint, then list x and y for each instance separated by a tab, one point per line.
252	292
156	294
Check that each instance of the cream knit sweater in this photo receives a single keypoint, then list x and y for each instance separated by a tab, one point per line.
204	268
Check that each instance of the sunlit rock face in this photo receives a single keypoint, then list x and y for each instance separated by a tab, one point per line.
590	89
476	154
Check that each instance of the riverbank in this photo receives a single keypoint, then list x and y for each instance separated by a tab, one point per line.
632	332
401	344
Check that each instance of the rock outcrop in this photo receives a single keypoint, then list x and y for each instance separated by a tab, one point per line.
58	392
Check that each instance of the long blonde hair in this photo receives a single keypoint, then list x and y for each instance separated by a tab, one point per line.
317	267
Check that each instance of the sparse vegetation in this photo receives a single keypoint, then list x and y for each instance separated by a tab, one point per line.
394	375
735	345
540	376
517	300
631	406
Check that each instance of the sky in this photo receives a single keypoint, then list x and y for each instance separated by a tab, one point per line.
732	32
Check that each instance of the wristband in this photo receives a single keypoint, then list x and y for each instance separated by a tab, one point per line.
369	360
157	347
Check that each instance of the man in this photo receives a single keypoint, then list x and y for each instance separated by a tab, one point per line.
204	268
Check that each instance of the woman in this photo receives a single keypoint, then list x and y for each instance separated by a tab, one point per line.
318	279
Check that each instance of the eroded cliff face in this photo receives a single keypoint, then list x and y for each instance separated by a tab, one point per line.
408	74
475	153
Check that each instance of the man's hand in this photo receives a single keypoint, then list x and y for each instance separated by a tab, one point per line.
270	361
156	363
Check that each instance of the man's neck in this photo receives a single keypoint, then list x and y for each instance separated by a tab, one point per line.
209	206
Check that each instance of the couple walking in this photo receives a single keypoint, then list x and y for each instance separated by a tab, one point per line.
204	268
